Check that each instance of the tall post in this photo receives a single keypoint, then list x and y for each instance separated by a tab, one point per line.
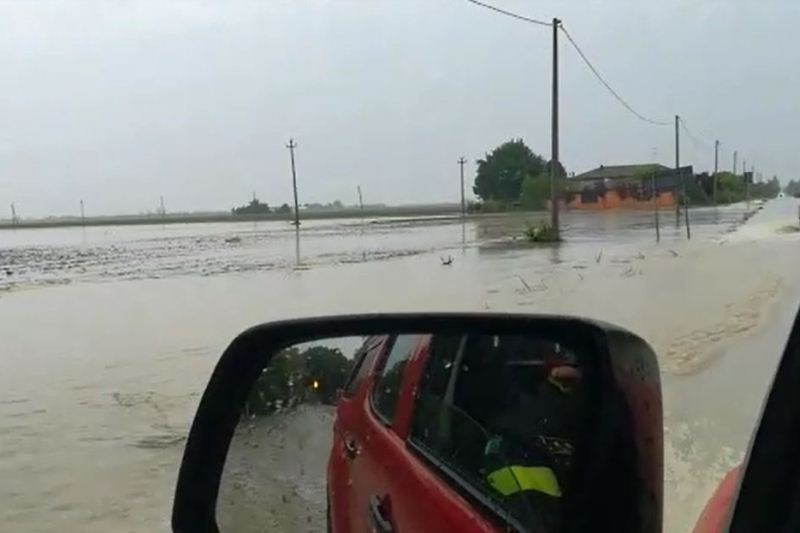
291	146
554	164
735	155
716	169
677	166
361	203
13	214
655	203
83	215
747	181
461	162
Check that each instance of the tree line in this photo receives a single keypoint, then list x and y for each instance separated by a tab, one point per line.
513	176
295	376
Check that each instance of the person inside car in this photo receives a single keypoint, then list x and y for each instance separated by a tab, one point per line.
528	458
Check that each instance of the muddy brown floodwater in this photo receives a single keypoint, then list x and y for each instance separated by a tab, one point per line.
108	334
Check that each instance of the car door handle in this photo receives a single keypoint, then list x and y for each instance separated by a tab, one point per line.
377	514
350	448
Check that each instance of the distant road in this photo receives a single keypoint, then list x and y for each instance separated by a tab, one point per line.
188	218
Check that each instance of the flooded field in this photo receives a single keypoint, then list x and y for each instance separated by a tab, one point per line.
108	334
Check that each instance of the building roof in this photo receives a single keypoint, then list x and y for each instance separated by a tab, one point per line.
618	171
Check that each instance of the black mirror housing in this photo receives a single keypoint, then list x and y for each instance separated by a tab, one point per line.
621	473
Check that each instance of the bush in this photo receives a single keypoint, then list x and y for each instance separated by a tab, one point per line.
542	233
535	192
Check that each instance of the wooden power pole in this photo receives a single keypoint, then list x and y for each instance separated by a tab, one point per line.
291	146
461	162
554	163
716	169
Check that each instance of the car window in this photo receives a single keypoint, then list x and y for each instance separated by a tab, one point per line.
387	387
364	359
491	407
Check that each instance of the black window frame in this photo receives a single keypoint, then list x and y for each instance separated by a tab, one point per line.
365	353
387	352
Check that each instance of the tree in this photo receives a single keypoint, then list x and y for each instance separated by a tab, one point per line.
284	209
730	188
535	190
501	173
294	377
793	187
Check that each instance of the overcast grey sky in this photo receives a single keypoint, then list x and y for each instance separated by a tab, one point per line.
121	102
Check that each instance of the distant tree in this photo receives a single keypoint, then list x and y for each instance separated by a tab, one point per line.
767	189
730	188
284	209
793	187
501	173
337	204
290	377
535	191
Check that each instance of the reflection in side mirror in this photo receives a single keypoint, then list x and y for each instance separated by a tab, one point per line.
437	423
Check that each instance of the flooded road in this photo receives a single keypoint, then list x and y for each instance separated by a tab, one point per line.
108	334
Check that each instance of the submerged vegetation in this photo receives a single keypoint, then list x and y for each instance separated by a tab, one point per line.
542	232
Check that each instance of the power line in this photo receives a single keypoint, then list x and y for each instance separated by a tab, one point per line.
696	139
607	86
510	14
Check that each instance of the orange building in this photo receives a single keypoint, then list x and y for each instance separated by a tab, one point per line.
624	187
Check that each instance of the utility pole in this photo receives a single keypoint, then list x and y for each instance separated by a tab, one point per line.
716	169
291	146
735	154
361	203
554	164
677	166
461	162
83	216
655	203
13	215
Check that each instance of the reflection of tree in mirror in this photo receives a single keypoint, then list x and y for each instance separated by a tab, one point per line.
295	376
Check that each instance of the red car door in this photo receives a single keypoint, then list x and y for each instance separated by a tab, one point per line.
344	449
392	488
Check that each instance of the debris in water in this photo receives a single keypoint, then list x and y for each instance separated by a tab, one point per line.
448	261
233	240
640	255
527	287
598	257
674	253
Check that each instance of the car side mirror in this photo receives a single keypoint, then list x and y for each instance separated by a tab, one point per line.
427	422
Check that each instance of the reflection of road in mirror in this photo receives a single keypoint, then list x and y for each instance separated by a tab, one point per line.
274	477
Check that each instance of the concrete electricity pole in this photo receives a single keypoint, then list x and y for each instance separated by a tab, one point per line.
716	168
554	164
461	162
677	166
291	146
361	203
683	183
13	214
83	216
735	155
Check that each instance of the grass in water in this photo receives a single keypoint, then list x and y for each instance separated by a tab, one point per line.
542	233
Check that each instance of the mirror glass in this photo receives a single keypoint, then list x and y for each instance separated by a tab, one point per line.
410	432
